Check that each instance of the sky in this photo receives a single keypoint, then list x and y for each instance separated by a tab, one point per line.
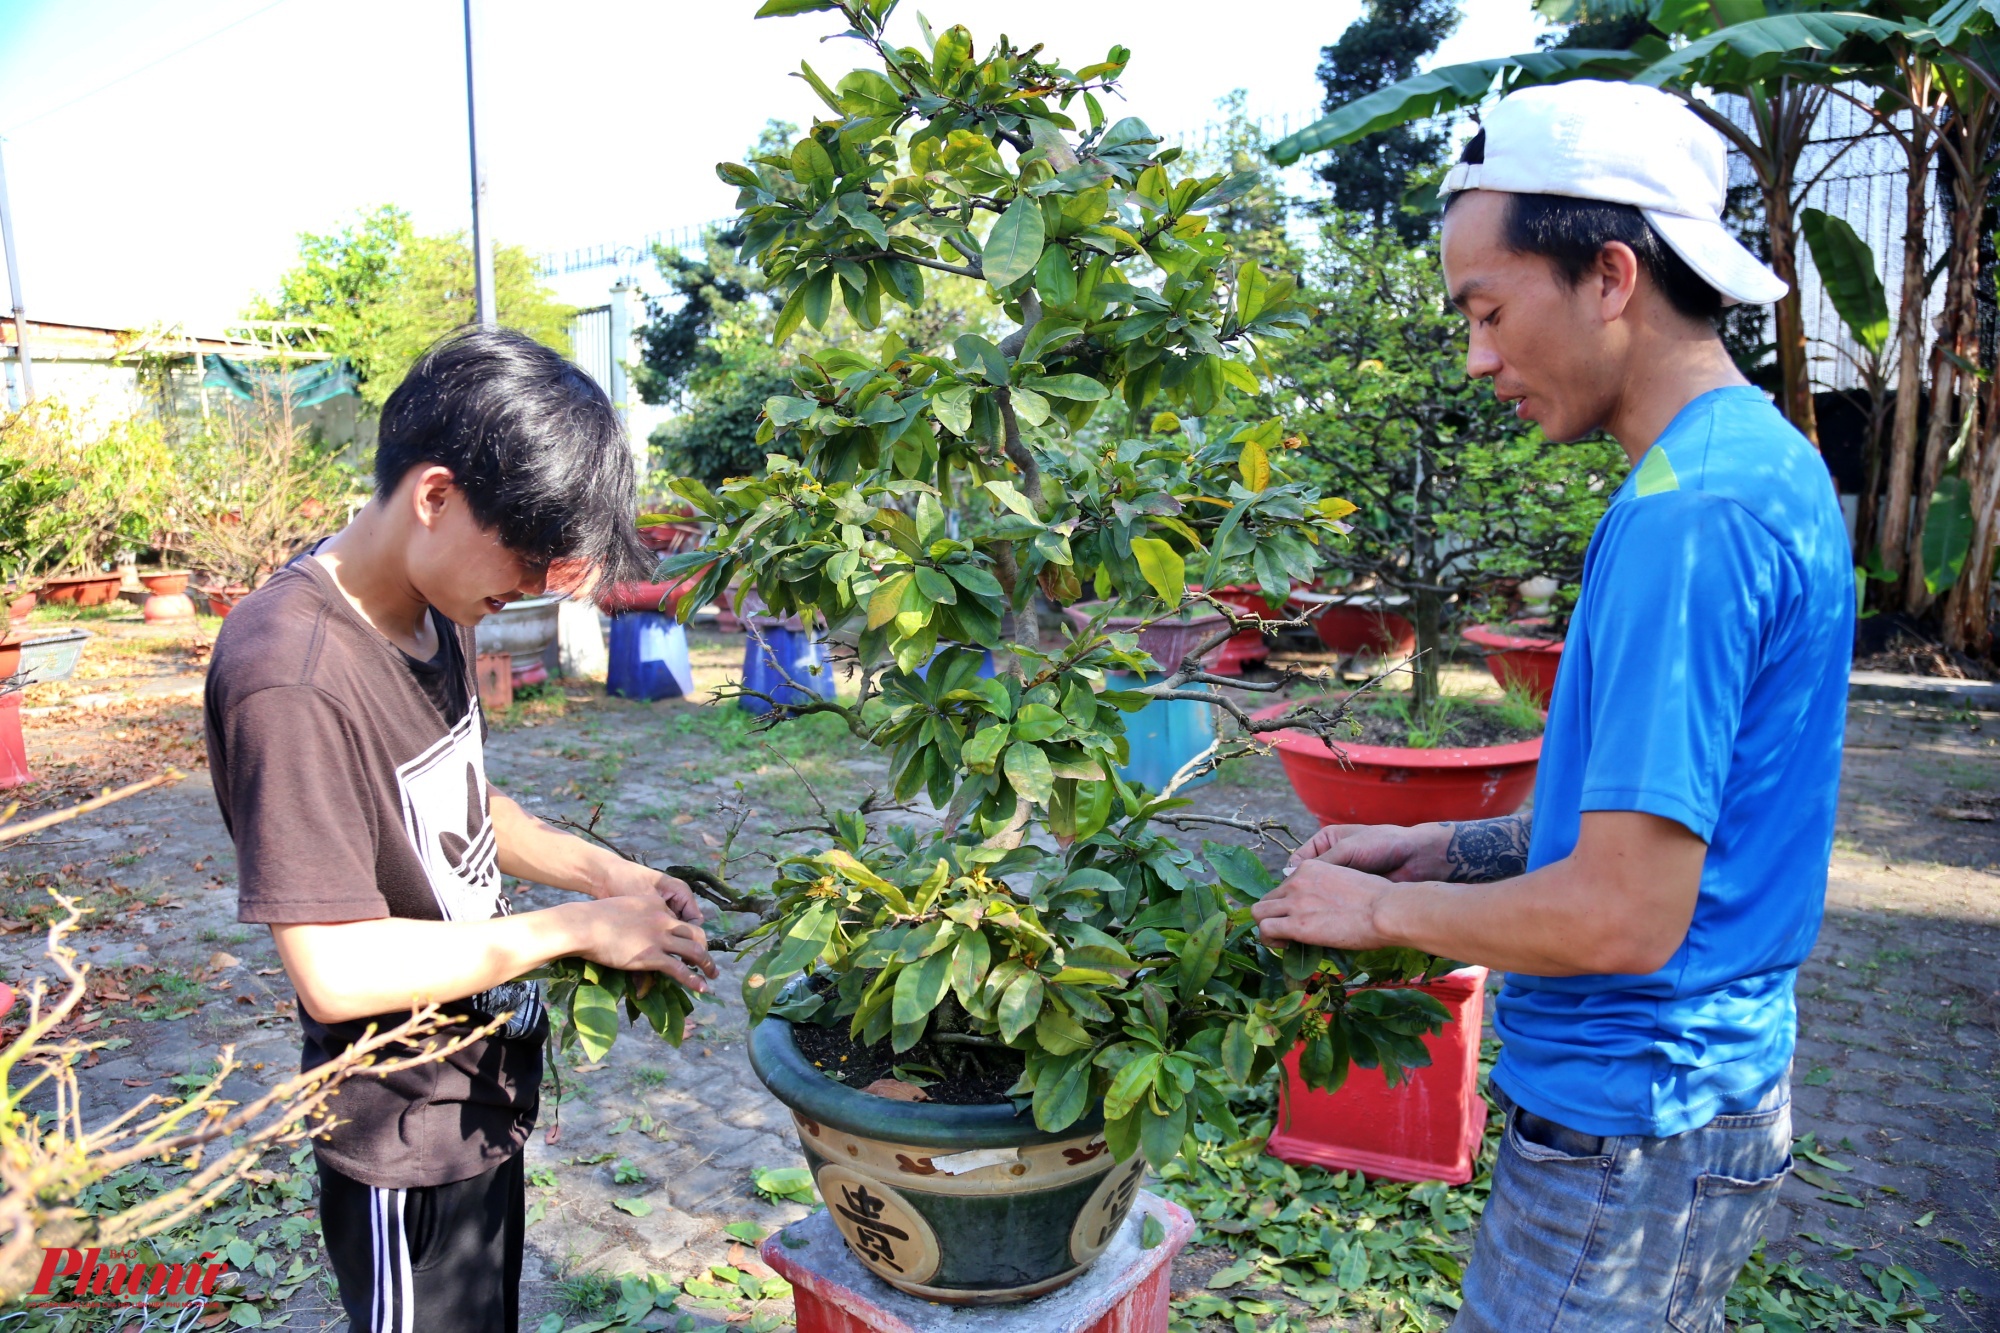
162	156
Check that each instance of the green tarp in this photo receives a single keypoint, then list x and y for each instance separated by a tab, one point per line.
307	385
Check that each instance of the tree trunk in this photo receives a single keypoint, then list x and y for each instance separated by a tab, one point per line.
1895	515
1427	612
1966	622
1871	485
1957	346
1795	376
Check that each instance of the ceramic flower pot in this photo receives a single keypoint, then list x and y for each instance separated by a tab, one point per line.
167	599
1393	784
1528	659
20	605
969	1205
523	630
1167	640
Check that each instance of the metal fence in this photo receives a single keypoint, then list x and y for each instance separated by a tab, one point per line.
1853	168
590	333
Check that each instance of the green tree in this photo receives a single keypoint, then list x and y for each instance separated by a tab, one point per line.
1122	971
386	293
1454	491
1370	175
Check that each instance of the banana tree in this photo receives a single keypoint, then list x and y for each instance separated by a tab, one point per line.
1847	270
1781	63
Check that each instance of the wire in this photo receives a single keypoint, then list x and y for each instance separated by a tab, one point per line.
133	73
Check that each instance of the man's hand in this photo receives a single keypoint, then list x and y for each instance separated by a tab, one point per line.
628	879
1404	855
1323	904
639	933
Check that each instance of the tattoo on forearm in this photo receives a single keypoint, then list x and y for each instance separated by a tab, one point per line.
1484	850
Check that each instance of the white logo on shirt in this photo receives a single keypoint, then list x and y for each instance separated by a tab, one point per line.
445	814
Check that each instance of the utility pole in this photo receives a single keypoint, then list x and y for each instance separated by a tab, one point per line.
14	287
482	244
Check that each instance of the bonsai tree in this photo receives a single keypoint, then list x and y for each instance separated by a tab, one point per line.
1454	492
920	495
94	490
250	486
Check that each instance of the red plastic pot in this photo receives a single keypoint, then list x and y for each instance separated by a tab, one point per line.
1345	627
221	601
81	590
20	607
13	745
1527	660
1393	784
6	998
1246	646
1427	1127
647	596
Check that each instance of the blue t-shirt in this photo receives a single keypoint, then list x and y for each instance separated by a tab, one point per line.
1704	680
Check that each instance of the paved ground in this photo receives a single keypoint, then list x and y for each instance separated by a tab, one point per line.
1899	1007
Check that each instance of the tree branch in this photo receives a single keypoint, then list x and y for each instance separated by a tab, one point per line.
923	260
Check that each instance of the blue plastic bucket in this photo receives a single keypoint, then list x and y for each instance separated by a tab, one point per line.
804	658
1164	735
649	657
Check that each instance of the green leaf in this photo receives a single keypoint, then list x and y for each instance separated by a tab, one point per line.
1055	276
1163	568
790	317
865	94
1238	1051
1847	268
595	1011
784	411
983	750
1076	388
1201	955
1037	722
246	1315
1152	1232
887	599
1004	492
1450	88
1020	1005
1130	1084
969	961
811	164
747	1232
919	988
1947	533
1015	244
1737	52
636	1207
1028	772
1066	1098
934	585
953	54
784	8
1353	1273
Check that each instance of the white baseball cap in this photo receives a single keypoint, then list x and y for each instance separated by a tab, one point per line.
1623	143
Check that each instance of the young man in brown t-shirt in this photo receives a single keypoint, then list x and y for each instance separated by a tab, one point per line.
345	740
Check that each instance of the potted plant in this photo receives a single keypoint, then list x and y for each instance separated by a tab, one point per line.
1455	497
1078	987
250	489
97	491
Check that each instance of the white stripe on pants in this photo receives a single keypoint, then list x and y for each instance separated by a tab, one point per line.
393	1293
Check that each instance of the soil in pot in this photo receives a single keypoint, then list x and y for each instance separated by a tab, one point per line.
951	1074
1453	723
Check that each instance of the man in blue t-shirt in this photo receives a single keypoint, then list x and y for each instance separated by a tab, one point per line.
1652	917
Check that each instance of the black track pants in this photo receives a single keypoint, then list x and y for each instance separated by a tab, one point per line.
429	1259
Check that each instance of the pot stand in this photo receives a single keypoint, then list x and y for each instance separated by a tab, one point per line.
1125	1291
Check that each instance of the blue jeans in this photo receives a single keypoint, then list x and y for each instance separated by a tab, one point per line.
1590	1234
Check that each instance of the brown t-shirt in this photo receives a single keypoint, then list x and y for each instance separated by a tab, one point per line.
353	779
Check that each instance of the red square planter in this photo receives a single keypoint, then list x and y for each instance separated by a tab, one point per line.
13	746
1425	1128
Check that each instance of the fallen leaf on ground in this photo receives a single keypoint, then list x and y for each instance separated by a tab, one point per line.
683	818
553	1135
219	960
897	1091
138	1082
